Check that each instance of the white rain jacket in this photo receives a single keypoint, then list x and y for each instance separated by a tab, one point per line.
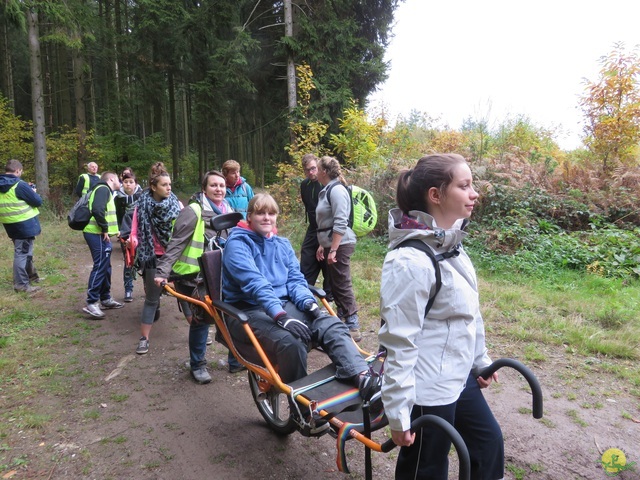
428	360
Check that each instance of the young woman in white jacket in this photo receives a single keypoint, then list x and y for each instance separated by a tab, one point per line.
433	361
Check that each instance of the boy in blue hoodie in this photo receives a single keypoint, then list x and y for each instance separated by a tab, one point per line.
239	192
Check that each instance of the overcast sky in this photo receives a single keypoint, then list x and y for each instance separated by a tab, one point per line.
469	58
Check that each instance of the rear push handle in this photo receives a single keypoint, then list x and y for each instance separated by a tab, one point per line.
456	439
464	472
536	391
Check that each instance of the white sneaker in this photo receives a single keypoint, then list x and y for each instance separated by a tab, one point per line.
111	303
93	309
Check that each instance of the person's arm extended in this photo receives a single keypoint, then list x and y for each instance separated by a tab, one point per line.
297	287
26	193
404	293
180	238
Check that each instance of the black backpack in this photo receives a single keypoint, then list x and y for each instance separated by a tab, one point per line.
80	215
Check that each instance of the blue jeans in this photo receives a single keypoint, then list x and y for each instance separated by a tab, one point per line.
99	287
290	354
198	331
23	268
472	417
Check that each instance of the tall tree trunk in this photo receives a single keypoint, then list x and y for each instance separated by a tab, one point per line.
48	69
185	120
6	78
64	91
81	112
291	68
117	53
37	101
173	137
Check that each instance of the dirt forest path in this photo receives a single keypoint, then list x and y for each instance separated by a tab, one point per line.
142	417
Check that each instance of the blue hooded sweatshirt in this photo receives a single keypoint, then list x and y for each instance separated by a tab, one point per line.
28	228
239	195
262	271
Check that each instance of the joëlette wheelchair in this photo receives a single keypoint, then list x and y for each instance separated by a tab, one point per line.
317	404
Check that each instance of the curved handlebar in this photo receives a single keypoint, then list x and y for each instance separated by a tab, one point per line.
536	391
452	433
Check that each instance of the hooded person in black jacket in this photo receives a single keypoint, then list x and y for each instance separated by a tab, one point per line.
19	204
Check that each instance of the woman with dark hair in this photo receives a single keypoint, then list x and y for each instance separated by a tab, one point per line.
434	358
337	241
191	236
154	216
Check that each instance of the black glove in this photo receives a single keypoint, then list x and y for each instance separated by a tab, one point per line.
296	327
314	310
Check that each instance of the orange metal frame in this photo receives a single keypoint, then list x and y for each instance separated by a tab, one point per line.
269	373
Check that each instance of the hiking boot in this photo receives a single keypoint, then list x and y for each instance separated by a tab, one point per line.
110	303
93	309
143	346
356	335
128	297
201	375
30	289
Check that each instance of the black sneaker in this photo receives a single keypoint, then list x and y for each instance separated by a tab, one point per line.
128	297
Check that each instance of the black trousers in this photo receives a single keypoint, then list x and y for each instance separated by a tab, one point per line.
427	458
309	265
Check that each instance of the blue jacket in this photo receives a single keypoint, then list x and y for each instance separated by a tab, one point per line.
31	227
238	197
262	271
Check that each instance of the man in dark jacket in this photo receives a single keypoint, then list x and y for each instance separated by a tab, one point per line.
309	189
19	204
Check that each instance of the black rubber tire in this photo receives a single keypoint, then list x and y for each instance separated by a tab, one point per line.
274	408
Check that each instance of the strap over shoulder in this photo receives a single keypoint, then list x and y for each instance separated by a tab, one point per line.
435	258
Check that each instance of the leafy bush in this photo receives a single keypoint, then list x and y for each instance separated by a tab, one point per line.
538	248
